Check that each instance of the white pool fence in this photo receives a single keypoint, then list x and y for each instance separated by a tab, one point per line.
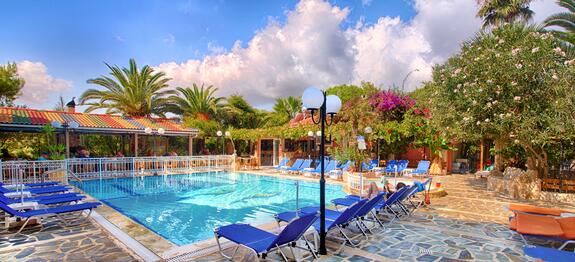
14	172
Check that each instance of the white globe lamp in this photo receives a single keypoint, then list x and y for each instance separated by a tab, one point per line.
312	98
161	131
332	104
56	124
148	130
74	125
219	133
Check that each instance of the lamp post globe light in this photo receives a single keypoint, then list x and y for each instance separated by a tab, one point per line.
220	134
314	99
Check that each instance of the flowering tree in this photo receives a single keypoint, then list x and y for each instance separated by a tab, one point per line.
391	105
513	85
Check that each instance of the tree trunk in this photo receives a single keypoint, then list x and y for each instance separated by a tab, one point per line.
499	145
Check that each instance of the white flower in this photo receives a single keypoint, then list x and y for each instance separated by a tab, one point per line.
519	66
569	62
486	119
455	90
497	55
554	76
516	141
501	41
457	71
480	89
513	83
515	51
488	104
474	102
517	98
535	50
501	115
508	115
465	119
478	122
489	81
494	102
458	85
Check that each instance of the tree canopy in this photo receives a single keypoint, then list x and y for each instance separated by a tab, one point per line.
514	84
10	84
129	91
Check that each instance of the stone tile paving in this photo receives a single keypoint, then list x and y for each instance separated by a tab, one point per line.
55	242
469	224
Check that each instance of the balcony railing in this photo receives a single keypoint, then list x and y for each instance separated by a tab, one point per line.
101	168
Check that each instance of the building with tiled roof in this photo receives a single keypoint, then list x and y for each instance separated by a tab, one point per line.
24	119
70	126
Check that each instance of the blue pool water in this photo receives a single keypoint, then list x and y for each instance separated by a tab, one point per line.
186	208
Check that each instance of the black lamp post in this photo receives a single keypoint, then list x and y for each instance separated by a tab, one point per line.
314	99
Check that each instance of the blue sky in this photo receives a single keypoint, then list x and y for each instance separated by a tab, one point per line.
73	38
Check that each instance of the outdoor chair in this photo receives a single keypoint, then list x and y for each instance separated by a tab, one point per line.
49	212
283	163
560	229
331	165
338	172
296	164
337	220
26	185
391	166
47	200
381	206
549	254
422	168
35	190
261	242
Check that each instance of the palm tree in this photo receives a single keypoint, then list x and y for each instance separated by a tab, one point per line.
129	91
566	20
288	106
197	102
499	12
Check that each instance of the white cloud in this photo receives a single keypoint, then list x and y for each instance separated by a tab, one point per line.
312	49
170	39
40	87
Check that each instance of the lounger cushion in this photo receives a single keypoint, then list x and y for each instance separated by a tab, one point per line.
536	209
538	225
513	224
549	254
568	227
255	238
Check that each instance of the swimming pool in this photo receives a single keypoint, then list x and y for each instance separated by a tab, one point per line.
186	208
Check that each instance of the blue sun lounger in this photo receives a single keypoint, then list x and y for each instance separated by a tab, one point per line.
39	184
53	199
422	168
386	205
37	190
334	220
331	165
47	212
296	164
262	242
305	164
283	162
549	254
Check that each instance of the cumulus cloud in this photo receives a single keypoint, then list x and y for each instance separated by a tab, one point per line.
312	48
40	87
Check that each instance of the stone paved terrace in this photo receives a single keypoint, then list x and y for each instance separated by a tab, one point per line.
81	242
469	224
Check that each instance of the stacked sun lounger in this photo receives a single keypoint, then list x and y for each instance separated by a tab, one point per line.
39	200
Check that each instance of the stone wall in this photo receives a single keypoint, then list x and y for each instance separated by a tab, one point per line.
520	184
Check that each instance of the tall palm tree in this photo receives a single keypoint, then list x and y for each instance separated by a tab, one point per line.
499	12
129	91
288	106
238	113
566	20
198	102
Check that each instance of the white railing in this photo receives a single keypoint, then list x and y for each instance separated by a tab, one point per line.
100	168
355	183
